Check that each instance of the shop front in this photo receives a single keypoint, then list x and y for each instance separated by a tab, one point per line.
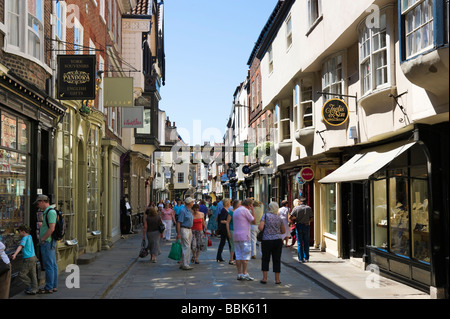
387	193
28	119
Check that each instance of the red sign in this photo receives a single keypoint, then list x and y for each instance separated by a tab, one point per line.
307	174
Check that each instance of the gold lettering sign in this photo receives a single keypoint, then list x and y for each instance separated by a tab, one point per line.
335	112
76	77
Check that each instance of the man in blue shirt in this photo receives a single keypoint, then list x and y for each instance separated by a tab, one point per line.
177	207
184	232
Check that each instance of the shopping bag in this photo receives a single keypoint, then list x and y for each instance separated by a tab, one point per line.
144	251
209	242
175	251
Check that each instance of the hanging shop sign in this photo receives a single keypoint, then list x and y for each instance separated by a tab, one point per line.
133	117
307	174
76	77
335	112
118	92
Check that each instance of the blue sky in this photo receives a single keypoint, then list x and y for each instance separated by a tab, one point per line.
207	46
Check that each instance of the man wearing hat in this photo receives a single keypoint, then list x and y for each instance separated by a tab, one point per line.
184	232
47	244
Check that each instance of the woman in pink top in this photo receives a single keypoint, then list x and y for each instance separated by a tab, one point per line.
167	216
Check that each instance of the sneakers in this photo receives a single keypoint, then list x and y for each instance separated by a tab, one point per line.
246	277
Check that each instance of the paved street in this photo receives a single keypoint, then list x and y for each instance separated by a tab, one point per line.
119	274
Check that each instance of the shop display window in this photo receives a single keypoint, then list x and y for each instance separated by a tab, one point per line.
14	185
379	214
399	207
330	208
93	193
65	174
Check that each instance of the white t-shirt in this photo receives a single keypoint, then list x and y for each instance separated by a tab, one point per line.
3	255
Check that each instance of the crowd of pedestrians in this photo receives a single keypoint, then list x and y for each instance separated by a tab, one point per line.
237	223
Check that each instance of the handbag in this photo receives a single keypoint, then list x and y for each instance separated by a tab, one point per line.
4	267
162	228
144	251
209	242
175	251
260	234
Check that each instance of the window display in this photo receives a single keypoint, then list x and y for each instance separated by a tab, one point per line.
93	178
399	216
330	208
379	214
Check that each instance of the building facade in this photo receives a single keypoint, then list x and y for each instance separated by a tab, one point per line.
357	98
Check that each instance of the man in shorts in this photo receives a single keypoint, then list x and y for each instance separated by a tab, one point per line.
243	217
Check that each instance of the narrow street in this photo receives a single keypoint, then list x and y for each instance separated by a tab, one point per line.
211	280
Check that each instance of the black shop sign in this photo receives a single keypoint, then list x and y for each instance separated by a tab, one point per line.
76	77
335	112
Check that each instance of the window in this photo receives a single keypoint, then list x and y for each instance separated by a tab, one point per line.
13	8
101	9
288	32
93	193
65	166
180	178
418	25
78	37
270	51
253	95
285	123
296	107
330	209
25	23
14	168
332	77
306	104
373	56
314	12
146	128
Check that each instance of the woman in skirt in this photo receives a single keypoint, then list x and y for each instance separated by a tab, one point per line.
198	234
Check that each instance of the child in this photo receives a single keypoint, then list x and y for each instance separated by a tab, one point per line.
28	272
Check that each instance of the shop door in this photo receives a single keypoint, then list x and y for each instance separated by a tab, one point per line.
352	219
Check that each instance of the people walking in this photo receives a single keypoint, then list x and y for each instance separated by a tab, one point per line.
243	217
48	244
258	208
152	224
198	233
222	227
168	218
284	215
184	232
212	219
230	228
272	242
27	272
303	215
125	216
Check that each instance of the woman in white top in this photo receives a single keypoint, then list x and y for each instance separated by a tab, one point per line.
5	278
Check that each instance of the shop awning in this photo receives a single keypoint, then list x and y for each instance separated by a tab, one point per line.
362	165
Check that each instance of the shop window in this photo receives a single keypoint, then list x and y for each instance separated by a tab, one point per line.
330	209
379	214
65	174
14	184
399	216
93	194
399	207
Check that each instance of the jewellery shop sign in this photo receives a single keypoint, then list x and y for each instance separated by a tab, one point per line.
76	77
335	112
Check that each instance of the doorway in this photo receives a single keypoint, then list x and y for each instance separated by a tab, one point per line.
352	219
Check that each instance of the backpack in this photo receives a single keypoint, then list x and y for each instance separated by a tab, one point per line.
59	231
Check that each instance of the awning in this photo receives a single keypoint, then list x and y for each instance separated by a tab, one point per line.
361	166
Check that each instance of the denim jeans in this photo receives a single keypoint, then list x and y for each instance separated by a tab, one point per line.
50	266
302	241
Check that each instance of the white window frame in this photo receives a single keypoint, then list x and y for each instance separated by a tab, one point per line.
270	56
180	178
296	108
306	101
101	9
22	47
333	76
416	25
78	44
60	24
371	50
314	11
288	32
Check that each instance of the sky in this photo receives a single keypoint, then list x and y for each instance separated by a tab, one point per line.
207	46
